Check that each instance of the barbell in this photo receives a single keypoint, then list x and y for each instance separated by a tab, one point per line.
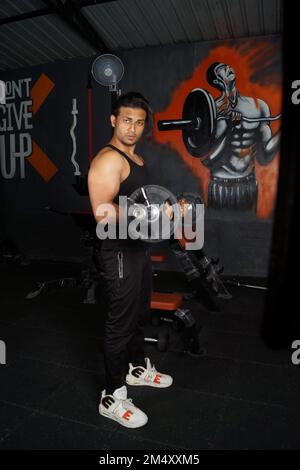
148	220
198	122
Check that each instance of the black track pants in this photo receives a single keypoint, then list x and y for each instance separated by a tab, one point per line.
126	280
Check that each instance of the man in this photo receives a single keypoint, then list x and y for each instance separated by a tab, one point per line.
125	265
238	143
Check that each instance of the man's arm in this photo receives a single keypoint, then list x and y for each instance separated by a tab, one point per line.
212	159
268	145
104	180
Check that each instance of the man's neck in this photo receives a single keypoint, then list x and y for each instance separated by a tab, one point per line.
233	97
227	100
128	149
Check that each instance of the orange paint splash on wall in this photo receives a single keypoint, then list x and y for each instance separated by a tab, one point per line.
247	59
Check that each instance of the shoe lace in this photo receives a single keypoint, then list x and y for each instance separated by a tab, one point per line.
152	371
123	405
126	402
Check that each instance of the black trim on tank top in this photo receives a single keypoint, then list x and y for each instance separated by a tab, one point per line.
124	154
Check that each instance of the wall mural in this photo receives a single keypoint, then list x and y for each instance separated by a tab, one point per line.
227	115
23	101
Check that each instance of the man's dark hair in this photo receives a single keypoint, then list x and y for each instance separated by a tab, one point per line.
132	100
211	75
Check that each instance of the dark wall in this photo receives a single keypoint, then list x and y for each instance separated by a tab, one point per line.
241	240
48	177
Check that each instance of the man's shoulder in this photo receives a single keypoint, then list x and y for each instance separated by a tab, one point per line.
108	152
256	105
253	101
107	156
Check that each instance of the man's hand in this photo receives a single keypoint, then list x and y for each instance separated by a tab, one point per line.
168	210
234	116
183	206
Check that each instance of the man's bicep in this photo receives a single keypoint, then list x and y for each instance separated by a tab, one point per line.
103	183
264	127
265	132
263	108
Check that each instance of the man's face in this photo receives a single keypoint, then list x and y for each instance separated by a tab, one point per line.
129	125
226	75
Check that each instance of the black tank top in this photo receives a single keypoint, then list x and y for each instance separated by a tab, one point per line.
137	177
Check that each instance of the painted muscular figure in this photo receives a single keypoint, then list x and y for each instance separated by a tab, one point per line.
238	143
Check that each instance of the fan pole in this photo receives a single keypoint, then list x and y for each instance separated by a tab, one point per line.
90	117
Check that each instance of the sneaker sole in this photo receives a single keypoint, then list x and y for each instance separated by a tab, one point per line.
122	423
131	381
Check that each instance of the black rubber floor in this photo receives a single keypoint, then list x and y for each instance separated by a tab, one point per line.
237	395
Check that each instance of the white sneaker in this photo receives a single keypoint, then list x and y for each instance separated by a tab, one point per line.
121	409
147	376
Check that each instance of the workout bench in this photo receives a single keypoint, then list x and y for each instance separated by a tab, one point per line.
182	318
